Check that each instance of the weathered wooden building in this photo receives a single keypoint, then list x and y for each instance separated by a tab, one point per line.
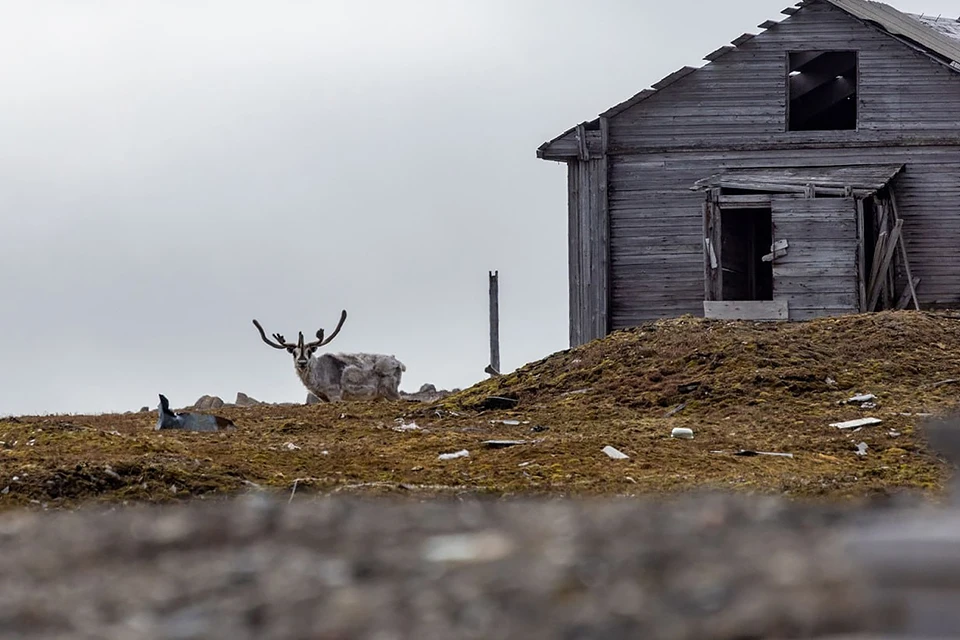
811	169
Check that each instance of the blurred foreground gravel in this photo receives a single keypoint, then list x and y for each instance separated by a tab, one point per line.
703	567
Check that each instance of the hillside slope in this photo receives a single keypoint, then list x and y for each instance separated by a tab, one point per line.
738	385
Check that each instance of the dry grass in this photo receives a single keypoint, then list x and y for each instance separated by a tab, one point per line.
744	385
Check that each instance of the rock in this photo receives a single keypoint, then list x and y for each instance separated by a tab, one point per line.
208	402
463	453
682	432
144	409
862	449
427	393
312	399
243	400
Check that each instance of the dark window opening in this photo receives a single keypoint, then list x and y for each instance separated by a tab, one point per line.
822	91
746	236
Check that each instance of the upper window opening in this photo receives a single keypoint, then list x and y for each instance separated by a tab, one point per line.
822	91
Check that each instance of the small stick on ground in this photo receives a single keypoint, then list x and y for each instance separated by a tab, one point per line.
296	480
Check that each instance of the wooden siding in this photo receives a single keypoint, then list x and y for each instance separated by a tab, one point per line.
731	114
818	274
588	251
740	98
656	222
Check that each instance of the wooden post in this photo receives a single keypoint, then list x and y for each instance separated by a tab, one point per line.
494	324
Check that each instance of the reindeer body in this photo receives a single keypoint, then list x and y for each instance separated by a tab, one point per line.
340	376
352	376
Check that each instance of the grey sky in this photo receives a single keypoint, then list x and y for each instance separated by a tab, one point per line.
170	170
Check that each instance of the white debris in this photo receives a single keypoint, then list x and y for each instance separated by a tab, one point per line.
291	447
869	405
615	454
865	397
407	427
853	424
682	432
862	449
324	453
463	453
894	434
511	423
831	382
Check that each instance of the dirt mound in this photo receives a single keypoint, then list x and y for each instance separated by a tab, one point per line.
739	386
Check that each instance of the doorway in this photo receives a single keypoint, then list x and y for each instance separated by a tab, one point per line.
746	235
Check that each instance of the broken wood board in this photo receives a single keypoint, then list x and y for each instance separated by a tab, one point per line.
854	424
746	309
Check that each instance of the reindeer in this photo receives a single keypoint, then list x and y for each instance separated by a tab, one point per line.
340	376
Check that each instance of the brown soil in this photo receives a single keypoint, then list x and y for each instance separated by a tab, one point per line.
771	387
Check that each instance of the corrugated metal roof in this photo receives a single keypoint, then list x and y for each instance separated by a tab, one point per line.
862	179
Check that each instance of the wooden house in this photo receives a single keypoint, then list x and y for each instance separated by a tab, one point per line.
811	169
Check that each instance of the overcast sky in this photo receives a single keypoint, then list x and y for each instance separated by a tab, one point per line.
171	170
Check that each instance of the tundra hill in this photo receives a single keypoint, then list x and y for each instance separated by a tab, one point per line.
740	386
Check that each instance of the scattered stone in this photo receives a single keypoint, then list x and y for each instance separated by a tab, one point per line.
406	427
854	424
292	447
144	410
689	387
537	428
463	453
501	444
205	403
243	400
684	433
894	433
859	399
862	449
427	393
614	453
312	399
830	382
575	392
509	423
6	490
110	472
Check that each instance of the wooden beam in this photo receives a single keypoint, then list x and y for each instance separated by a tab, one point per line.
746	309
861	257
875	269
889	249
908	291
494	322
740	40
767	24
903	253
583	152
604	135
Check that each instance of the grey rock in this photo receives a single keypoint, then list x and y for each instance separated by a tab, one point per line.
243	400
312	399
205	403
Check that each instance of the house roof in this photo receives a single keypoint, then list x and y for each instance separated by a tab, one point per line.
939	37
862	180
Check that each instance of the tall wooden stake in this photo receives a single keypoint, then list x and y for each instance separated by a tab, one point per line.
494	324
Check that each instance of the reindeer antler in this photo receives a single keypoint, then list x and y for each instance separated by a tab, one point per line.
279	338
320	341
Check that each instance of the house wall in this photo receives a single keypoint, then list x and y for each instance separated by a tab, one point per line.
731	114
589	250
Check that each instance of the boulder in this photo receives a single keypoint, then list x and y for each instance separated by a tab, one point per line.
205	403
243	400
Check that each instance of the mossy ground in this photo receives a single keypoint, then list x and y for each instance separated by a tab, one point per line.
759	386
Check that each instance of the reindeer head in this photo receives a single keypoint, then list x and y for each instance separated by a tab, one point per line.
301	351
